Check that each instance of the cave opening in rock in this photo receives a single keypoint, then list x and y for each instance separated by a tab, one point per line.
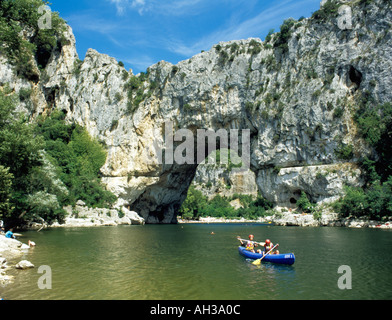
295	195
355	76
181	155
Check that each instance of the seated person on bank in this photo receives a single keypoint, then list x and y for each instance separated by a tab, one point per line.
10	234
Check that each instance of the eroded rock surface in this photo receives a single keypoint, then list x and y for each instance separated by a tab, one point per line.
297	100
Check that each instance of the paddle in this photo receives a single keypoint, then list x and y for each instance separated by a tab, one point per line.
260	243
258	261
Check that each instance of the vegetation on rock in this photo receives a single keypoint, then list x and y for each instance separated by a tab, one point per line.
45	166
197	205
19	17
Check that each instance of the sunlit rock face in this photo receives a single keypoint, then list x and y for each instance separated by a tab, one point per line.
296	96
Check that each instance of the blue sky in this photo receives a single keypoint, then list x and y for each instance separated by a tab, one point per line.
143	32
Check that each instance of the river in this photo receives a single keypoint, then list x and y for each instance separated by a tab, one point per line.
187	262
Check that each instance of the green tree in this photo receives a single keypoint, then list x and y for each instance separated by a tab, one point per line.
36	184
304	204
19	152
5	192
43	205
375	125
78	159
194	204
89	153
353	203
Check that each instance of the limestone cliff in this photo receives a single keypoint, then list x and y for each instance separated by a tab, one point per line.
296	92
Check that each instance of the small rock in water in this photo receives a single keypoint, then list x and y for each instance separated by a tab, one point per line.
24	264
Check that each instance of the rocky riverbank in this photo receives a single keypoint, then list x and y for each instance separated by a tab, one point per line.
82	216
302	220
11	250
326	220
223	220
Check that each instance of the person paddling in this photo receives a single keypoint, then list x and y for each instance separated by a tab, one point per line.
268	246
250	244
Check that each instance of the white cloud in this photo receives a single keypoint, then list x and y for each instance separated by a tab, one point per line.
181	7
89	22
235	30
164	7
140	5
123	5
140	62
120	5
113	30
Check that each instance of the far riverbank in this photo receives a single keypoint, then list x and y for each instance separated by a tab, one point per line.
301	220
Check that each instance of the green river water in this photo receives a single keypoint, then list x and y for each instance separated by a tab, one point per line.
187	262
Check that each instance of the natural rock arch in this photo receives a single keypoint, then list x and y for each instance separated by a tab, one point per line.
160	202
297	103
292	142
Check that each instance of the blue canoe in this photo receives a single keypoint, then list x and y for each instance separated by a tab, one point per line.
283	258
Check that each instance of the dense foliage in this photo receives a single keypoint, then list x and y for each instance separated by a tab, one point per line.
304	204
77	158
19	157
375	198
197	205
46	166
49	164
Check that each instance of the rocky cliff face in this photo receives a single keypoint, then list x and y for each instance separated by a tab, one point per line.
296	93
213	177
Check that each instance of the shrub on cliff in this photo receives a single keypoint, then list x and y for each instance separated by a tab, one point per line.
375	126
23	15
375	199
328	10
284	35
46	165
197	205
78	158
304	204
